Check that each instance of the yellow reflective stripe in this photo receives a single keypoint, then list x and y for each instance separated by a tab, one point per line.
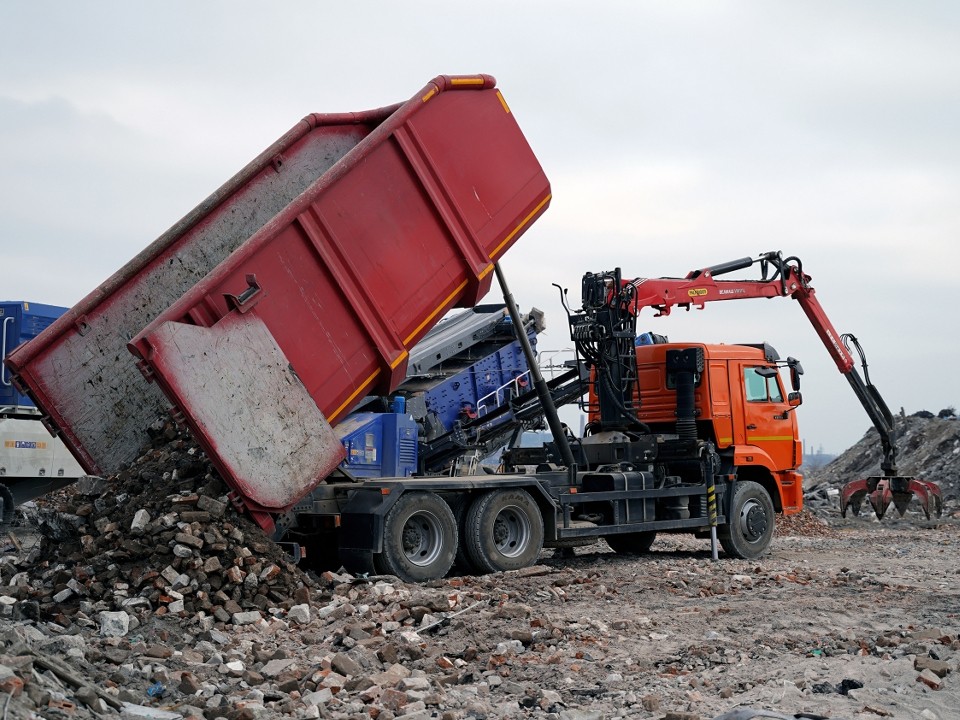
725	440
399	360
432	315
356	392
519	227
762	438
466	81
503	102
429	95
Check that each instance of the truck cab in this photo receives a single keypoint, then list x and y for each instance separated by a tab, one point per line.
741	406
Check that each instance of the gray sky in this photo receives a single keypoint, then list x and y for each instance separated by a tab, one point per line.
675	134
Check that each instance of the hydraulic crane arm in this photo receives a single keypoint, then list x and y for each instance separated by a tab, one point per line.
784	277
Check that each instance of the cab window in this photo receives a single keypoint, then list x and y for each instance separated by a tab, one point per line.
759	388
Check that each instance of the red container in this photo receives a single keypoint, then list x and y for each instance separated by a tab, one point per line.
361	230
320	306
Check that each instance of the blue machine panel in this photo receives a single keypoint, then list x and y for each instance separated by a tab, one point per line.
19	322
379	444
482	387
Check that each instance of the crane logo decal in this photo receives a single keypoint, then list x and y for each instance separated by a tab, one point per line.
25	444
697	292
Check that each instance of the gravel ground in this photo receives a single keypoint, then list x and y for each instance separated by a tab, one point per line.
147	596
852	622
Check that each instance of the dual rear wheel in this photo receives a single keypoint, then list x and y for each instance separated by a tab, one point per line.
498	530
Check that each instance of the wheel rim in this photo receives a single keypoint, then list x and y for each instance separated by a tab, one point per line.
422	539
753	521
511	532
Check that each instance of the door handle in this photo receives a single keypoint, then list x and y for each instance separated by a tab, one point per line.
751	427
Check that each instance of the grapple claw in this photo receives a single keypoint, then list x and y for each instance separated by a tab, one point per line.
898	490
852	495
925	492
880	499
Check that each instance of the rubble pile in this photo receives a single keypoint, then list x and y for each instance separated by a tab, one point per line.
159	537
929	448
803	524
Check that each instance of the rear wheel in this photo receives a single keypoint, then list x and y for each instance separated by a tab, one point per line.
750	527
637	543
462	564
503	530
419	538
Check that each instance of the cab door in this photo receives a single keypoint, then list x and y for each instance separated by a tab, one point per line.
768	422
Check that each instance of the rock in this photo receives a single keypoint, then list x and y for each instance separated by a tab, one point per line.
189	684
139	523
416	684
299	614
209	505
393	699
319	697
939	667
930	679
345	665
651	703
577	714
114	623
10	682
142	712
246	618
275	667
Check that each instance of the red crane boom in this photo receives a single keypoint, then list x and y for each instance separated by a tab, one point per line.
784	277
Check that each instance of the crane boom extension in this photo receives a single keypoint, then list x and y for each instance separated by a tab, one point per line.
784	277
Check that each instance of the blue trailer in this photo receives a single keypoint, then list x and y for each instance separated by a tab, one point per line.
32	461
20	321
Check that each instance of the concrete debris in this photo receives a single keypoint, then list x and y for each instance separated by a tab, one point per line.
148	596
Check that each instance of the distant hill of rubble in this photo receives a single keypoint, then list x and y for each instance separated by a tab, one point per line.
929	448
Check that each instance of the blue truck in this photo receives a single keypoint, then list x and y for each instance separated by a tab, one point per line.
32	461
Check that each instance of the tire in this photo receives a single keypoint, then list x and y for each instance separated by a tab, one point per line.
462	564
503	530
637	543
750	526
419	538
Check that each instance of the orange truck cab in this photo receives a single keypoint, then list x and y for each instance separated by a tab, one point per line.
741	406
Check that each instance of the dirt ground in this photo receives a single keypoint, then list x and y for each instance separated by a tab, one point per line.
679	633
836	622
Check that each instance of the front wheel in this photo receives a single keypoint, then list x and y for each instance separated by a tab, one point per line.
749	529
419	538
503	530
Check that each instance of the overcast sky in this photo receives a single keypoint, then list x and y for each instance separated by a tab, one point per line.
675	134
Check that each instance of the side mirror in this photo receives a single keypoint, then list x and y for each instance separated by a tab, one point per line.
796	370
794	399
